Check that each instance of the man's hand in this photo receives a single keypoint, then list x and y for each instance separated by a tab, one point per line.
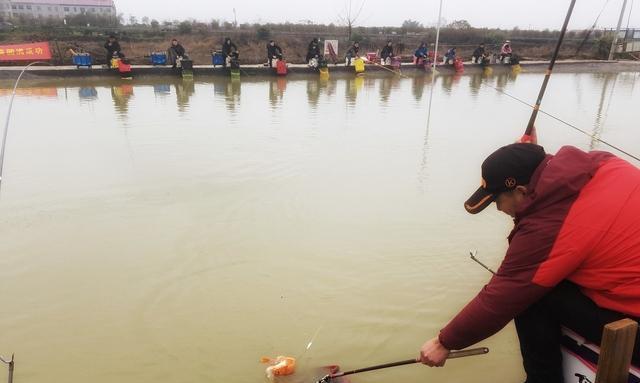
433	353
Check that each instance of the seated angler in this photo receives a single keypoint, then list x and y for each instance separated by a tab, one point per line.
274	52
176	53
353	52
506	51
113	49
313	51
450	56
478	54
421	54
229	51
387	53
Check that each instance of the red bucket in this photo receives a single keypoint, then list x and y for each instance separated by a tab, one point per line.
281	68
124	67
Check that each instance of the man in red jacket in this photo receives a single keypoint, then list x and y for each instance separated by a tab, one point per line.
573	258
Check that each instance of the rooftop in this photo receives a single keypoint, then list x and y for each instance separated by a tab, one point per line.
95	3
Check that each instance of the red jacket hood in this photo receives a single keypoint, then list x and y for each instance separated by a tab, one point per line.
559	177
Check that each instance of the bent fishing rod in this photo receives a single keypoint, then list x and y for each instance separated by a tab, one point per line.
452	355
6	124
383	67
532	120
527	137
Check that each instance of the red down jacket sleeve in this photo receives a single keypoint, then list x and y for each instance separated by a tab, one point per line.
510	291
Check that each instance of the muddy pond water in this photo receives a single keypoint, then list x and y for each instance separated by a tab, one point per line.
170	231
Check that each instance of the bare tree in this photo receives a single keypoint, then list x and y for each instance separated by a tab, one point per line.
351	13
459	24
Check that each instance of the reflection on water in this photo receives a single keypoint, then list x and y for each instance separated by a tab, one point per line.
184	91
162	89
121	95
448	82
504	78
603	113
316	87
418	85
234	218
475	83
88	93
354	86
313	93
31	92
232	93
276	90
387	85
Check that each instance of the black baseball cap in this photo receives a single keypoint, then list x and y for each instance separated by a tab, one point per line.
503	170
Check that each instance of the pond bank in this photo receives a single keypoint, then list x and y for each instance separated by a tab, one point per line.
576	66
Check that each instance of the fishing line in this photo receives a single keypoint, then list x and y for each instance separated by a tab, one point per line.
629	18
6	124
423	165
435	61
567	124
313	338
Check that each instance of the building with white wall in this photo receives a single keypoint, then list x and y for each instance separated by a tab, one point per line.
56	8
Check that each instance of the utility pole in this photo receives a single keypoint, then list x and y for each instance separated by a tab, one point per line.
614	43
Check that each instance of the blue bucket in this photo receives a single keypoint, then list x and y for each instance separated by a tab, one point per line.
217	58
82	59
158	58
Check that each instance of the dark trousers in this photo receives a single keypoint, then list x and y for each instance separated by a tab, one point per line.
539	330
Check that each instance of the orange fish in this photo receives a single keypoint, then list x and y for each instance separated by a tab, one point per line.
280	366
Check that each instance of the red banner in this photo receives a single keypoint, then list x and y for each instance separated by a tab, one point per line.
25	52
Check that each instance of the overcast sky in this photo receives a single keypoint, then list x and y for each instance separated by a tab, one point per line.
537	14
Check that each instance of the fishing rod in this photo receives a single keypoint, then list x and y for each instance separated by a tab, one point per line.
590	31
473	257
384	67
435	48
6	124
452	355
532	120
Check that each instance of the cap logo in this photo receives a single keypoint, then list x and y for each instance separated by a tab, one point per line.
510	182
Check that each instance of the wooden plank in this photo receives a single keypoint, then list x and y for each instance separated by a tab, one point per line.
616	349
